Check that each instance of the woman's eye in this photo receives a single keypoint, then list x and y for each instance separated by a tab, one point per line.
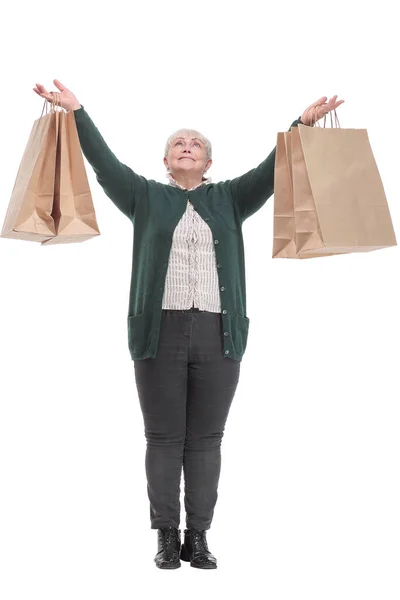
198	144
178	143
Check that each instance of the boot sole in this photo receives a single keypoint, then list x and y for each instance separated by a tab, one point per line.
168	567
204	567
185	557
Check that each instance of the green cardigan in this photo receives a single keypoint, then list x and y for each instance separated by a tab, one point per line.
155	209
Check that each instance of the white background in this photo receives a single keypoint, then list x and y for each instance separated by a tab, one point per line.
309	489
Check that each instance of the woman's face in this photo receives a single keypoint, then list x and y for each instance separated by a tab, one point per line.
187	155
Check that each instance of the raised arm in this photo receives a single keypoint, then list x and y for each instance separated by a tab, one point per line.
251	190
119	182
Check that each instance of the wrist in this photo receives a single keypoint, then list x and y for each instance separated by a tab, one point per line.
305	122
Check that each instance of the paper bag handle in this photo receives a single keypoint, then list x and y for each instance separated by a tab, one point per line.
54	104
337	124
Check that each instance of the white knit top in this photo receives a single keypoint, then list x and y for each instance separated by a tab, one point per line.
192	278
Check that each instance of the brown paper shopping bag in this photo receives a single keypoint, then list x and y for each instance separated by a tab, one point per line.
339	204
343	203
28	215
73	211
286	240
284	230
307	232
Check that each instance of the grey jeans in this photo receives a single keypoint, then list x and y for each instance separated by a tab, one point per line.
185	394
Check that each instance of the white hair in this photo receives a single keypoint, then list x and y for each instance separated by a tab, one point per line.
187	133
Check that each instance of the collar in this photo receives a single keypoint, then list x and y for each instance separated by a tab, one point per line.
174	183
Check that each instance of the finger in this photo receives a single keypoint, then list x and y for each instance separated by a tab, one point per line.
42	89
320	101
335	103
332	103
45	95
60	86
335	106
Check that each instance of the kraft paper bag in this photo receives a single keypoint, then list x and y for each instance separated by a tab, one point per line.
308	236
73	211
29	211
351	209
339	204
286	241
284	229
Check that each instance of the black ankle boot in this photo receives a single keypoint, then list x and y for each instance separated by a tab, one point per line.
195	550
169	546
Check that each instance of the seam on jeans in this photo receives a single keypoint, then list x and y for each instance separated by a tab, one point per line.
192	318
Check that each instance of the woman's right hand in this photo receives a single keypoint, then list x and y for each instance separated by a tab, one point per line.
64	97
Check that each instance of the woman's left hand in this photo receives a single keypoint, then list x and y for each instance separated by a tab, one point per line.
319	109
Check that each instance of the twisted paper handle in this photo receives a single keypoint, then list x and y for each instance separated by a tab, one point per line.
337	124
55	104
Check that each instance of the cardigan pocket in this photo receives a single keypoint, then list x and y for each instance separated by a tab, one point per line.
242	332
137	334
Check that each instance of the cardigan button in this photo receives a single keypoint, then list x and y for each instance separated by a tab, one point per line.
216	242
219	265
224	312
226	351
226	333
222	289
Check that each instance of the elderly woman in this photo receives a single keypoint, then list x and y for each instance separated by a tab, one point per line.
187	322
